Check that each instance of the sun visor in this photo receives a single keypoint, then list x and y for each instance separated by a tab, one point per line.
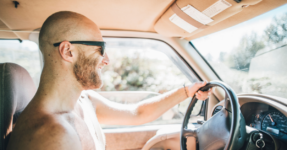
188	17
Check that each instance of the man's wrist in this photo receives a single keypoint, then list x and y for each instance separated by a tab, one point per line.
185	90
183	93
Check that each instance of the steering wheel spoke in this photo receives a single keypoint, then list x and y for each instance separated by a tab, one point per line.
226	129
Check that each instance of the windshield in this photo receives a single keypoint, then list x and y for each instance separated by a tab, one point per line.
251	56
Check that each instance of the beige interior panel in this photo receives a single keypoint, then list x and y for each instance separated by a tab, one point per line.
128	140
3	25
169	138
168	144
127	15
8	35
248	13
174	144
269	100
162	139
166	27
5	34
239	12
139	15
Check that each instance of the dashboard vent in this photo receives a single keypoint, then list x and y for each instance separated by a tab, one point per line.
217	109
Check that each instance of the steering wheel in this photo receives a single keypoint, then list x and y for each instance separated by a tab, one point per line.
224	130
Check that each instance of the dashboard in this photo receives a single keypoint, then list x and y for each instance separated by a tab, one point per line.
263	114
265	117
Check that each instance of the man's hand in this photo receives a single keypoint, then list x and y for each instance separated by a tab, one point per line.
192	89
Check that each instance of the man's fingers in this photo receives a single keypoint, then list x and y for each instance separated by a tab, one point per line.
193	89
201	84
203	95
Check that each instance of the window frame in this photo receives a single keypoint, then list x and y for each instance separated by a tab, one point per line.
203	58
191	72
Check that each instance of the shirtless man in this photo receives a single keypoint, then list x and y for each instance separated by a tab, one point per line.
56	118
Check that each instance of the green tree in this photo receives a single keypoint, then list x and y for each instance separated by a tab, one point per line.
242	55
250	44
131	73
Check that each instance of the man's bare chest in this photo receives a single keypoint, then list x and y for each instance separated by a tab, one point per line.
87	125
84	134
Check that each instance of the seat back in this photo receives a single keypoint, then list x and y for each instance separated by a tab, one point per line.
16	90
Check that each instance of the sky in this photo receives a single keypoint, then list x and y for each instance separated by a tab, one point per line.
230	37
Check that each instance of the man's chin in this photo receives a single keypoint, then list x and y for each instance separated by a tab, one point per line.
94	87
100	85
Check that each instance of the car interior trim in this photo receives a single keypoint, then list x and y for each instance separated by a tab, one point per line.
155	20
186	17
246	98
205	61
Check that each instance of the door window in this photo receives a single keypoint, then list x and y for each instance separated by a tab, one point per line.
25	54
143	68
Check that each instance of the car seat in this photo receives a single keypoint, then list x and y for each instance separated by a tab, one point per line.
16	90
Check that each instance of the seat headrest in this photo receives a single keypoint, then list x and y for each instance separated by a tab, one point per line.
16	90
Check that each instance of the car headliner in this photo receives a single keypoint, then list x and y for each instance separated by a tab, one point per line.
125	15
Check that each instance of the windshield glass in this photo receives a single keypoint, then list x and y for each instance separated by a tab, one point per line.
251	56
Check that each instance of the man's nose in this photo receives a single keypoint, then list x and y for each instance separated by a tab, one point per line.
106	59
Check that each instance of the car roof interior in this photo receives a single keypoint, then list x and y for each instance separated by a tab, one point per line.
19	18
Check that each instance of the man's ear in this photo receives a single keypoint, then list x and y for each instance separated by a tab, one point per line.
66	50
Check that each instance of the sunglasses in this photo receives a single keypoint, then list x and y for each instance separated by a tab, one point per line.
92	43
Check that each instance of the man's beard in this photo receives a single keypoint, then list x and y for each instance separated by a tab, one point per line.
85	71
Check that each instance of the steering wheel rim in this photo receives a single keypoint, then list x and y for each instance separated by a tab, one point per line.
237	132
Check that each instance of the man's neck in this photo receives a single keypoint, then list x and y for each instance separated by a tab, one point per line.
58	91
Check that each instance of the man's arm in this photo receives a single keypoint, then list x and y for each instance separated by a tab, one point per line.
109	112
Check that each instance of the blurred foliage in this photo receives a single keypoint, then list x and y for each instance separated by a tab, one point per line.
277	31
139	65
137	72
256	63
250	44
126	74
15	52
257	84
241	56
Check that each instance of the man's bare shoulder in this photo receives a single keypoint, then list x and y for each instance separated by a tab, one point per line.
44	131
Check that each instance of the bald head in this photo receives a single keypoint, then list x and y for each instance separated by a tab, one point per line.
68	26
76	63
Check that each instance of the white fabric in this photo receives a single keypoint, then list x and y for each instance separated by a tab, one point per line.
92	122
